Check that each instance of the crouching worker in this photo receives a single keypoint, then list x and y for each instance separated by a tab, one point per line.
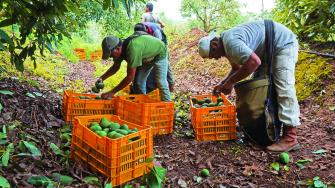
244	47
155	31
143	53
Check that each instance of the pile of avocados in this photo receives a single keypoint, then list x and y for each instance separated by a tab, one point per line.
96	89
98	86
207	102
110	129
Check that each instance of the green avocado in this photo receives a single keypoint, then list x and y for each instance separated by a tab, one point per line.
211	104
95	89
101	133
114	126
200	102
204	172
219	99
124	127
207	100
284	158
96	128
122	131
99	85
111	134
104	122
205	104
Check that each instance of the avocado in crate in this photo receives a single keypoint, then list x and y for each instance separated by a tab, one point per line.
112	130
207	102
213	118
116	148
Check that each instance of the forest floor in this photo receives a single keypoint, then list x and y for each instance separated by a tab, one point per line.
34	115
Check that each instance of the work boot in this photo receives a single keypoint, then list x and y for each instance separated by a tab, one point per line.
288	141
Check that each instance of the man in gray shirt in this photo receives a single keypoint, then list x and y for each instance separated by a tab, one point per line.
244	47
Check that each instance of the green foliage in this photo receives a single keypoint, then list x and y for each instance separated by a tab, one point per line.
310	72
312	20
92	180
5	156
40	181
156	177
316	182
40	24
32	148
28	25
212	14
4	182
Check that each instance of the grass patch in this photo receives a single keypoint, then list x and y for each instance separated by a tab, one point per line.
311	70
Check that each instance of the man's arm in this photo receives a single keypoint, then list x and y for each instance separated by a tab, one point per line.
126	81
111	71
245	70
161	23
234	69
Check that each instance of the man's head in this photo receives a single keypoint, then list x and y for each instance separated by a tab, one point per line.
140	27
210	46
111	47
149	7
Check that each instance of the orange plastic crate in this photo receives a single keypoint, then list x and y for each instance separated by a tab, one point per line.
96	55
153	94
73	106
214	123
119	159
143	110
80	52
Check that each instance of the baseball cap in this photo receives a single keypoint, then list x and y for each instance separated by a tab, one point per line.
108	44
204	44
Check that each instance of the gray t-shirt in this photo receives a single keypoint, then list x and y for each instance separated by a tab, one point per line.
150	17
240	41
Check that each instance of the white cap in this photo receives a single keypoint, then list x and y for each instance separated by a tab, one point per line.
205	43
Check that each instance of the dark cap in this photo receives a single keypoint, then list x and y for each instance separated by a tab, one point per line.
108	44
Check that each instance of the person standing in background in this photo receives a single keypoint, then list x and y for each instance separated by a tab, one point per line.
148	16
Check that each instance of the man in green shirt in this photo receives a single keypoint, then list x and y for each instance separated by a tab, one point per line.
142	53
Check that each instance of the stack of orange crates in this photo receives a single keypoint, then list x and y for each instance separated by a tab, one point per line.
96	55
80	52
74	106
120	159
144	110
214	123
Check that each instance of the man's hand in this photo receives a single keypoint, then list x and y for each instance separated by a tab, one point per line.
217	90
227	87
108	95
224	88
99	80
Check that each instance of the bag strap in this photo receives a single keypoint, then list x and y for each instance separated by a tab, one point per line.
269	52
127	41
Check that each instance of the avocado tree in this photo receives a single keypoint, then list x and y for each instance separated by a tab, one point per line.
212	14
310	20
28	25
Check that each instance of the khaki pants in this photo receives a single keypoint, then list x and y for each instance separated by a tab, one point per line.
283	69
